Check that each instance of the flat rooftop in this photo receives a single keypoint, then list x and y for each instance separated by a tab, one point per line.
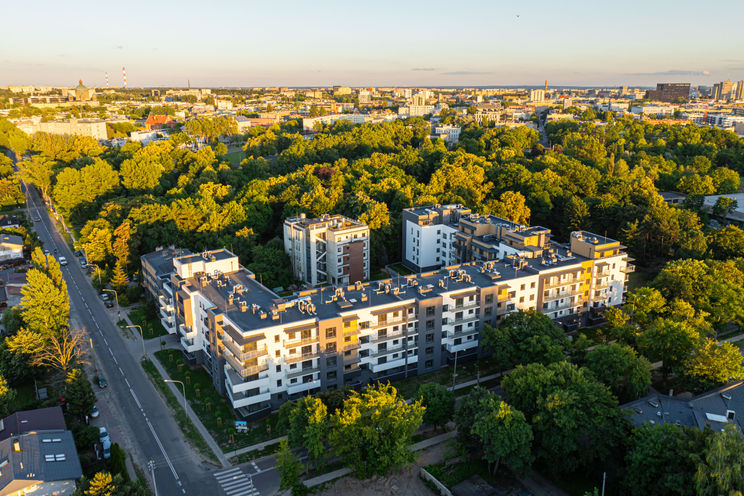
332	222
218	255
162	260
590	237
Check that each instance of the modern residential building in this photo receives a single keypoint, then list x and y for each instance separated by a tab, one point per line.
95	128
37	454
364	97
537	95
669	92
314	123
740	91
11	247
450	134
262	350
429	235
157	268
331	249
723	91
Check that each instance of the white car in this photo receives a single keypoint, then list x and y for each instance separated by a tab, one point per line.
62	261
95	413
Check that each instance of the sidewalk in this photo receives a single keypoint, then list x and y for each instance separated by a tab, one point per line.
257	446
149	347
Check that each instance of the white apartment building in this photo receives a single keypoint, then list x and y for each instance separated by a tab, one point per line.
329	249
450	134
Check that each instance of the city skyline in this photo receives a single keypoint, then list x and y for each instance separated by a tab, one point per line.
418	44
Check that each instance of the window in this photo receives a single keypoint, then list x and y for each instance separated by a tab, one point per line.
458	341
489	298
429	363
430	311
521	299
278	368
306	334
458	328
347	324
293	381
330	347
429	324
430	338
532	297
532	285
521	288
279	383
458	316
458	302
307	378
331	374
292	335
307	364
382	347
381	360
331	361
429	350
276	338
488	311
278	353
347	339
330	333
307	350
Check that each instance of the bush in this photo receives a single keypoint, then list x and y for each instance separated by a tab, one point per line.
118	462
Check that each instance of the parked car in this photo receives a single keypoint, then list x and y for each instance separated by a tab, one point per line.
94	413
62	261
102	382
109	303
83	262
106	445
79	253
103	435
105	296
46	252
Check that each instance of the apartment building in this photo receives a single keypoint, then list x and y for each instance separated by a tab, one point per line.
428	235
329	249
262	350
157	268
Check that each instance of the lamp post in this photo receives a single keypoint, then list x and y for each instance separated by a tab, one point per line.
144	353
454	371
184	392
98	271
116	299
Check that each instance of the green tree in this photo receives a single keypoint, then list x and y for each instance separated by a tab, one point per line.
511	206
439	403
7	398
12	320
79	393
662	460
669	341
373	432
526	337
504	434
721	469
726	243
620	368
316	431
713	364
44	300
118	463
724	206
289	466
37	171
465	416
119	279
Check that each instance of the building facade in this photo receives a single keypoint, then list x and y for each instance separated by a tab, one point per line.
429	236
669	92
262	350
327	250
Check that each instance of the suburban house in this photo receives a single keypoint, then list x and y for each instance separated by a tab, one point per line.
37	454
11	247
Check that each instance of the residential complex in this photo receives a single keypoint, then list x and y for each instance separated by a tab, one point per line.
330	249
262	350
669	92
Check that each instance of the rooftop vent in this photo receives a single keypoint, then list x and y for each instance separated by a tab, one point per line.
243	306
726	396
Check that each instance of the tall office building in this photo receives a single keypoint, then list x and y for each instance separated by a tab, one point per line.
723	91
537	95
262	350
669	92
740	90
327	250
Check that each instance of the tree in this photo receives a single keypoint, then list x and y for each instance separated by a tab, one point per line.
504	434
12	320
44	300
122	237
724	206
620	368
59	350
373	432
526	337
316	431
511	206
713	363
118	462
662	460
102	484
37	171
289	466
439	403
721	469
119	279
726	243
465	416
7	397
669	341
79	393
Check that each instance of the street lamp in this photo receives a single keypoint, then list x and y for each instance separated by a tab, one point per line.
144	353
98	271
184	392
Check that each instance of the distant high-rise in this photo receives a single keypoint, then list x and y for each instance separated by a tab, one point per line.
740	90
537	95
669	92
723	90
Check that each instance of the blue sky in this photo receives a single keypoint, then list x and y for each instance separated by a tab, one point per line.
374	43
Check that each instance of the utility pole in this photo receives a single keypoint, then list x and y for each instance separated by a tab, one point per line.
454	371
152	472
144	353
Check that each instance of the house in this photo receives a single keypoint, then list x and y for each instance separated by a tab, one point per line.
157	122
37	454
11	247
673	197
9	222
736	215
713	409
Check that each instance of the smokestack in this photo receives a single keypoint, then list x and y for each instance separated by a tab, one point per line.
188	83
107	82
546	86
124	75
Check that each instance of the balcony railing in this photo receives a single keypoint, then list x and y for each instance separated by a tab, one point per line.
395	349
629	268
244	355
300	371
563	294
352	346
290	343
302	357
245	371
572	280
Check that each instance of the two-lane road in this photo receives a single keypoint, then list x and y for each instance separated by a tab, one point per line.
136	403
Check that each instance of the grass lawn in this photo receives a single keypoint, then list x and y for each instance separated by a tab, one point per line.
150	328
457	472
187	427
25	398
213	409
235	157
466	371
401	269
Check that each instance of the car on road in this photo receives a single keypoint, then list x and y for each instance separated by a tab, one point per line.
37	218
106	445
94	413
102	382
62	261
46	252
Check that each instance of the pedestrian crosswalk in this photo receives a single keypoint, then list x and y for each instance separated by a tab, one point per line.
235	482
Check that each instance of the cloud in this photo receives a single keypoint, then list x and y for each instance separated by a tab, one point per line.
674	72
465	73
427	69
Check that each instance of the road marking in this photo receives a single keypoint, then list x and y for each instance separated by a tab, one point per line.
162	449
135	398
235	482
224	473
121	371
128	385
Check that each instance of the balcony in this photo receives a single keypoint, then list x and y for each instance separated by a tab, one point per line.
386	323
302	386
466	345
389	350
352	331
244	355
394	335
302	357
299	371
240	400
564	305
352	346
572	280
629	268
244	371
465	306
602	285
189	345
563	294
299	342
464	319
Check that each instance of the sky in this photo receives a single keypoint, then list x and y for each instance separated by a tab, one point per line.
374	43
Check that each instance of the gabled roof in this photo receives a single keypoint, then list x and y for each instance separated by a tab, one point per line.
11	239
41	419
157	119
42	456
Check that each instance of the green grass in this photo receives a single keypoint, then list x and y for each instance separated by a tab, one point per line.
465	372
187	427
235	157
25	397
457	472
150	328
401	269
213	409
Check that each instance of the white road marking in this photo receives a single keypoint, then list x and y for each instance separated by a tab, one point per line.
162	449
135	398
128	385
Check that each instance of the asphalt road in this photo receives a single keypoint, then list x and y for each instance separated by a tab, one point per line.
176	468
